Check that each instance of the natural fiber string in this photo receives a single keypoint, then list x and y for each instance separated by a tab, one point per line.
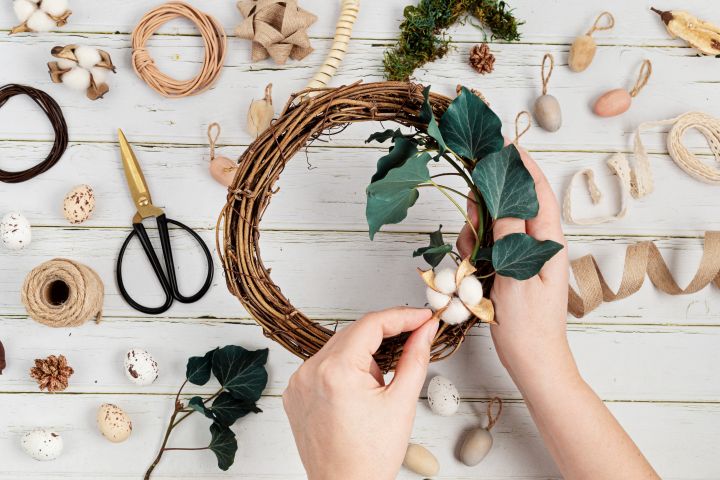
213	138
57	120
519	133
597	27
643	77
638	182
640	259
546	80
213	37
492	420
81	299
343	31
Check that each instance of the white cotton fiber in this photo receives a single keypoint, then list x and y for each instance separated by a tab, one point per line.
65	64
77	79
436	300
445	281
470	291
99	75
455	312
23	9
40	22
87	57
56	8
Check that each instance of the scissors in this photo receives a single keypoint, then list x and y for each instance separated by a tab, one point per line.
145	209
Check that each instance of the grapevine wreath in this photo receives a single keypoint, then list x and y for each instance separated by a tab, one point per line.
463	131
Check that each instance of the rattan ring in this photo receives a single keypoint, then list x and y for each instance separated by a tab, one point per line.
308	115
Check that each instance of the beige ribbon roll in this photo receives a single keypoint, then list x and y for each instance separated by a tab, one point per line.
63	293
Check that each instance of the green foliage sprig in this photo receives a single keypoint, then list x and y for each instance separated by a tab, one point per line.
422	33
468	137
242	377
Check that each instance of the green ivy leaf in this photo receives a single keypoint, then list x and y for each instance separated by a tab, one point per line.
227	409
389	199
384	135
397	156
427	116
198	368
197	404
241	372
506	185
223	444
520	256
436	251
470	128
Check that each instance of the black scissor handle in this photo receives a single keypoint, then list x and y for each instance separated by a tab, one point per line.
167	278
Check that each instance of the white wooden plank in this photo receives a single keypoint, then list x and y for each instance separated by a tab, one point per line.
635	24
267	450
513	87
620	362
357	275
330	193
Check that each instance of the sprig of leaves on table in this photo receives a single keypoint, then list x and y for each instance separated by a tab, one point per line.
467	136
242	377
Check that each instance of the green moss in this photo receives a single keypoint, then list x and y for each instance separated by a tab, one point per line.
422	33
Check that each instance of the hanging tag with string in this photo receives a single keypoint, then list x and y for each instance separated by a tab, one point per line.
547	108
618	101
478	442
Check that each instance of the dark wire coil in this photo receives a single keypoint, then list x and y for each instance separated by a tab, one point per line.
54	114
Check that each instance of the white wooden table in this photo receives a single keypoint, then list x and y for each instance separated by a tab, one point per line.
653	358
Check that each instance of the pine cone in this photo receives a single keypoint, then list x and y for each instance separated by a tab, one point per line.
481	59
52	373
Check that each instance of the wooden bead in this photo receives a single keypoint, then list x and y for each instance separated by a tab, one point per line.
582	53
613	103
547	113
223	170
419	460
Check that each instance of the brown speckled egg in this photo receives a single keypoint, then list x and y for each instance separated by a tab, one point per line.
114	423
79	204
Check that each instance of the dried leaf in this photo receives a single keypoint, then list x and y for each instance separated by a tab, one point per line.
428	276
106	61
67	52
464	269
485	311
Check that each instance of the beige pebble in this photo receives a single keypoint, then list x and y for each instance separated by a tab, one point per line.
79	204
419	460
582	53
475	446
223	170
547	113
613	103
114	423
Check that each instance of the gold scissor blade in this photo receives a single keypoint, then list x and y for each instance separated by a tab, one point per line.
136	181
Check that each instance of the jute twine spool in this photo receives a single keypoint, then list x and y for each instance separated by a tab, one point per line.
63	293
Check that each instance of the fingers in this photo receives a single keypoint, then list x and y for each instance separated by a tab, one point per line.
412	367
466	239
364	336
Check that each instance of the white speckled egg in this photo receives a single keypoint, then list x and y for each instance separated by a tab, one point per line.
42	444
140	367
114	423
79	204
443	397
15	231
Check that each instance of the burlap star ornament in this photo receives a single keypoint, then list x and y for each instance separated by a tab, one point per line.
277	28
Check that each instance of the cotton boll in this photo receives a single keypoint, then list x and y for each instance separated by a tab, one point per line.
445	281
455	312
77	79
56	8
40	22
23	9
99	74
470	291
87	57
65	64
436	300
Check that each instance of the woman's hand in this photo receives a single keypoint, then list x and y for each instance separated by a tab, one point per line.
347	423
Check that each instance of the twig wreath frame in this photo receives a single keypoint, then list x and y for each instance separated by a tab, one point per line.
238	232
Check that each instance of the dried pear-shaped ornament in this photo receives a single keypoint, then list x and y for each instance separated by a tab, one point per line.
584	47
260	113
222	168
703	36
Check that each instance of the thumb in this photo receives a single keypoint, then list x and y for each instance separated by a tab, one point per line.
411	369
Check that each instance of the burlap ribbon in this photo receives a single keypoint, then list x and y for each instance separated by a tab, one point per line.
640	258
63	293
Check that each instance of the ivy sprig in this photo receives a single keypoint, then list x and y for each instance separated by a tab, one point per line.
468	137
242	377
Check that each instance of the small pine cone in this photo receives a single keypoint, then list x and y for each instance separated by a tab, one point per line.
481	59
52	373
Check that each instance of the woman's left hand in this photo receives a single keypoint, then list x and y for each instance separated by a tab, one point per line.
347	423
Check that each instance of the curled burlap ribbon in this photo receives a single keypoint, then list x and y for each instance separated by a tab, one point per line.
640	258
63	293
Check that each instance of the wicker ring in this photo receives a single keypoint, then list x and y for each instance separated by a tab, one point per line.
308	115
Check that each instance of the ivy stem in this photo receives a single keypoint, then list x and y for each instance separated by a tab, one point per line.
187	448
460	209
480	230
433	184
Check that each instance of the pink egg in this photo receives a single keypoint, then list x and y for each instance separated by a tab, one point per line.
223	170
613	103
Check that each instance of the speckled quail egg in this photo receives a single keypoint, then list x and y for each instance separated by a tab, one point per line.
114	423
79	204
15	231
42	444
443	397
140	367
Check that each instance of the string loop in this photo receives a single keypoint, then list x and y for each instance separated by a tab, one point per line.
492	419
597	27
519	133
643	77
546	80
213	138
